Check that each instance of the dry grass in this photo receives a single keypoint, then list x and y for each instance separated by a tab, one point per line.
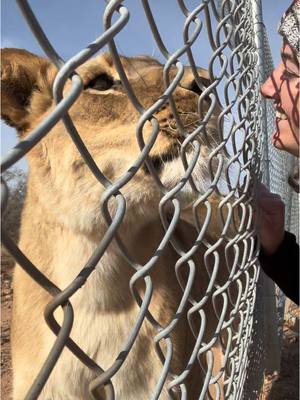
285	385
6	304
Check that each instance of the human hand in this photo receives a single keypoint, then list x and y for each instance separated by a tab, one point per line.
271	219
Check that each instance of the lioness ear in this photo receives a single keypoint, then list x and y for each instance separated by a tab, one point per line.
22	75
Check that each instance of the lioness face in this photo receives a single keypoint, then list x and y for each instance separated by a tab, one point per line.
107	123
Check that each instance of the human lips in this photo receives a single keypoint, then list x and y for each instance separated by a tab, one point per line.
280	115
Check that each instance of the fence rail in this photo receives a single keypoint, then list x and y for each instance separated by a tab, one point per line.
233	167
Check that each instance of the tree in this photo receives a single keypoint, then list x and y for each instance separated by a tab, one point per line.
16	180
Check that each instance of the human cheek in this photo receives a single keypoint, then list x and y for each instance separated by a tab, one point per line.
290	103
296	109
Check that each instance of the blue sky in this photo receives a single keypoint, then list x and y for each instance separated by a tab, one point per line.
71	26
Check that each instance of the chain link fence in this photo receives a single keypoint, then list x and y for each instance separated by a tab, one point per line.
276	169
234	156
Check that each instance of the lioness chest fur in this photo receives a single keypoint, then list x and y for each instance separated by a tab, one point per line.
62	225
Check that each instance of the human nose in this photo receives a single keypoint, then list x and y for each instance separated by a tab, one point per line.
271	88
267	89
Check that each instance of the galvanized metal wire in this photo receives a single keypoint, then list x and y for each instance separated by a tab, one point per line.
233	166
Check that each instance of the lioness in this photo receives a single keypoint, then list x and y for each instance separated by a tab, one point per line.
62	225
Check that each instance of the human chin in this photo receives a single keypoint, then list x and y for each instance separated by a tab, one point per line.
281	133
284	138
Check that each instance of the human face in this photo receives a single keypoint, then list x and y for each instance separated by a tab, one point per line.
283	87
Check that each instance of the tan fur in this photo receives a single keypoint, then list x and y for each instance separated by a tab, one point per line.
62	225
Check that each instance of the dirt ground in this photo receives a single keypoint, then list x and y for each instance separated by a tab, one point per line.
6	304
285	386
282	387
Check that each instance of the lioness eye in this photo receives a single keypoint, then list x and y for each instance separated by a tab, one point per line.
102	82
195	88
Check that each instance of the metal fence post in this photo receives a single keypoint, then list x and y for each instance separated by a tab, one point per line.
259	30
